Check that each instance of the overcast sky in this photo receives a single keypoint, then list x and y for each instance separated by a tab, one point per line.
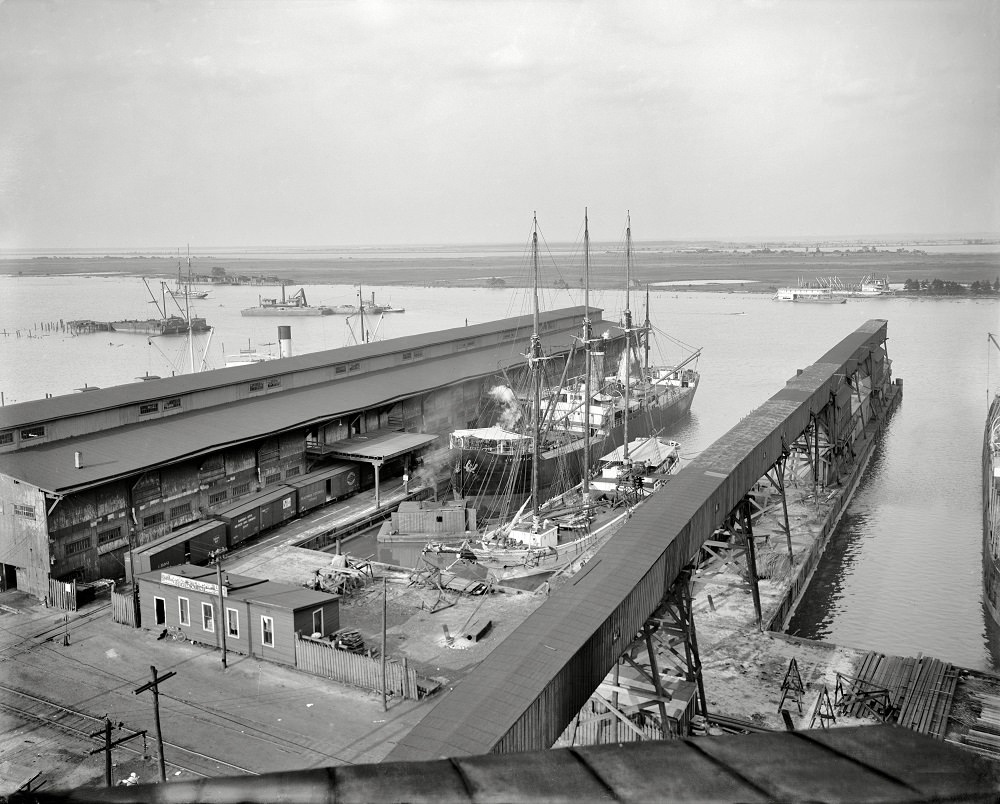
126	123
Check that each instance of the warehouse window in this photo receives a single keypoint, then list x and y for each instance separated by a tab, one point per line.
149	407
159	610
274	382
180	510
269	479
7	437
256	386
207	617
243	488
292	471
109	535
267	631
233	623
354	367
153	519
340	370
33	432
219	496
25	511
170	404
183	611
79	546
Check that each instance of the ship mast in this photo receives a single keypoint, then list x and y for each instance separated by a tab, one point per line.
627	326
187	310
587	331
534	363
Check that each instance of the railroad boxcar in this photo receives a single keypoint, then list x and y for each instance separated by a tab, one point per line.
325	485
255	514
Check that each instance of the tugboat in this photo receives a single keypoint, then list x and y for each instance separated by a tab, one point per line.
296	305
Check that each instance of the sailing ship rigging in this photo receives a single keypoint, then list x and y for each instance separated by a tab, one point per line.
547	536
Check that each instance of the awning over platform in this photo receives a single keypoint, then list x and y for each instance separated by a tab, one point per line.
377	446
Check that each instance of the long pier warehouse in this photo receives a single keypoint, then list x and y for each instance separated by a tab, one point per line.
85	477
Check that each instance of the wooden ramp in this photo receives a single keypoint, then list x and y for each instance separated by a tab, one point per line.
915	693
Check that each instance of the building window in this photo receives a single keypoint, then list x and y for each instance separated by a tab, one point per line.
170	404
292	471
274	382
153	519
180	510
233	623
219	496
243	488
183	611
256	386
79	546
25	511
149	407
318	622
354	367
28	433
340	370
407	355
267	631
207	617
7	437
269	479
109	535
160	610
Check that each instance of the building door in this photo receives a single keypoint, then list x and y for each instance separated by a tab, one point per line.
160	610
318	622
8	577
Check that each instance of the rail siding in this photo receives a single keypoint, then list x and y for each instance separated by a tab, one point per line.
323	659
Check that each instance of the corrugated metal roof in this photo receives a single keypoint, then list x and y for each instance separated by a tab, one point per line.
379	445
124	451
58	407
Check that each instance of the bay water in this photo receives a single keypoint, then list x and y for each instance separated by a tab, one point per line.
902	574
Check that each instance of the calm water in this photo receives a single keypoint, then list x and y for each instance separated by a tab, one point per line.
903	572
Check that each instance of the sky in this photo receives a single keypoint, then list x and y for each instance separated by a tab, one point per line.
135	124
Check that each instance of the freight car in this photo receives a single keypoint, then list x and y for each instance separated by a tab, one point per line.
229	527
192	544
334	482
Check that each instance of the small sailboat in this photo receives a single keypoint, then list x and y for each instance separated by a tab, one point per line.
184	290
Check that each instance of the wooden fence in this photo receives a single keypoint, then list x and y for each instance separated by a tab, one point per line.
125	608
62	595
323	659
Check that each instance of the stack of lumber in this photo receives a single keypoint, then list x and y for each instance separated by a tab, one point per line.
983	737
921	690
348	639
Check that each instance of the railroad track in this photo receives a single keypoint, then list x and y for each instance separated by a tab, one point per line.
81	725
25	643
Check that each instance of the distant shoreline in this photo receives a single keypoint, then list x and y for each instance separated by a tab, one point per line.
704	272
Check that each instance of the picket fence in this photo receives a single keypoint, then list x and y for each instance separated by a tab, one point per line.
125	608
62	595
323	659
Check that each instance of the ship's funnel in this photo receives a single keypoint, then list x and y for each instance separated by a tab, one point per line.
285	341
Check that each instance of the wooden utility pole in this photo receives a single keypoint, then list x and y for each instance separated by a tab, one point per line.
108	745
154	686
384	608
223	623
